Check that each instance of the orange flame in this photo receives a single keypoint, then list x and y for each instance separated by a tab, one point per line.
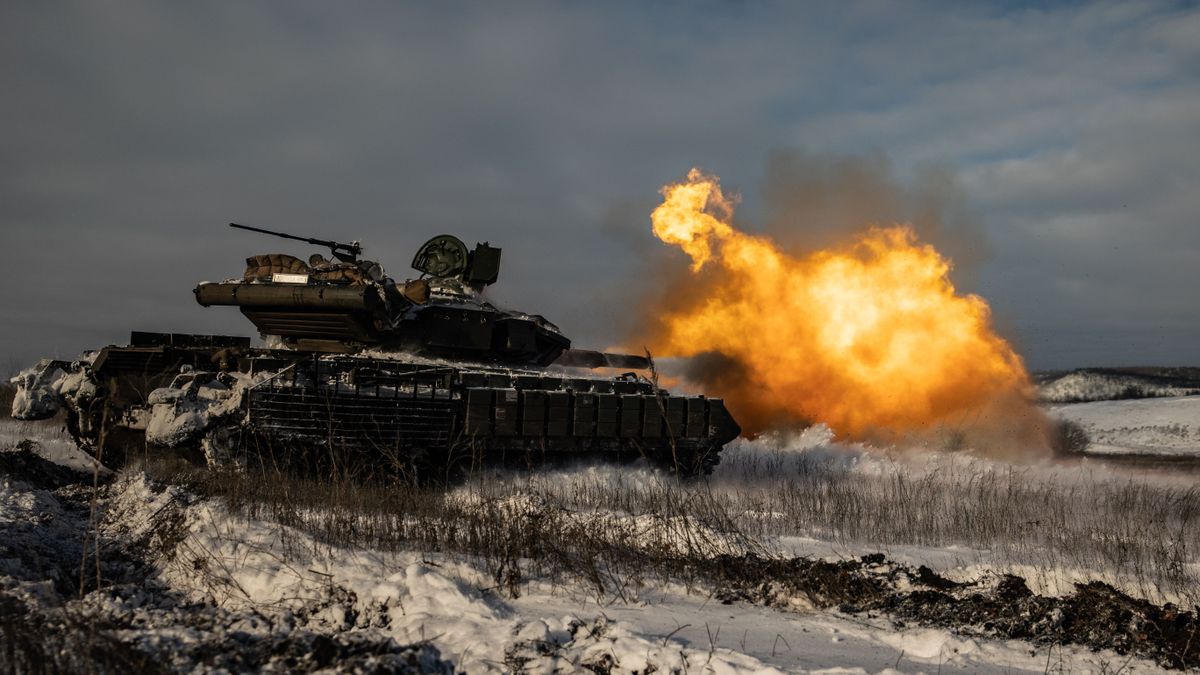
870	338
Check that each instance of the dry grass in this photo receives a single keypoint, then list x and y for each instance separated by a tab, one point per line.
513	532
619	525
1141	531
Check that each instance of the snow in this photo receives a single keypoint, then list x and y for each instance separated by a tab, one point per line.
43	558
257	577
552	626
36	397
188	407
51	442
267	568
797	641
261	578
42	387
1156	426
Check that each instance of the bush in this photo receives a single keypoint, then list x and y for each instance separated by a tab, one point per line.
1069	437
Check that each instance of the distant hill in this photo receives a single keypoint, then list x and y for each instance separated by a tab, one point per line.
1109	384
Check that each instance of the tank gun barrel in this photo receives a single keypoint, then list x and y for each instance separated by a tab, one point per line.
344	252
586	358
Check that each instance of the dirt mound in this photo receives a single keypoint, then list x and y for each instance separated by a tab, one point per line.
1096	615
68	640
64	611
39	642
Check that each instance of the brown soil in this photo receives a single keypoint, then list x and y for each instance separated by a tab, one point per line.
1096	615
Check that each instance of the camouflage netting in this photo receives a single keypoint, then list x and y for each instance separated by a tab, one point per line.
264	267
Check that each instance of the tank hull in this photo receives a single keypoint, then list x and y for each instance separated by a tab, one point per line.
217	392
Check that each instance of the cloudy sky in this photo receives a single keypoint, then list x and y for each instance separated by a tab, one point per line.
1060	145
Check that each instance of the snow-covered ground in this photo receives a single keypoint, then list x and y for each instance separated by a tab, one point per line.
247	566
214	577
53	441
1151	426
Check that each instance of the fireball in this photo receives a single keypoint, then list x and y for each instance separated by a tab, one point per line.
871	337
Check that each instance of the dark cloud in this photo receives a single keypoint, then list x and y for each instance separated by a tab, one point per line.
134	131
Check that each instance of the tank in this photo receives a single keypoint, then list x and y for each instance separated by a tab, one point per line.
359	369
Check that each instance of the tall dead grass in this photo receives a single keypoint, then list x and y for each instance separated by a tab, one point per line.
1139	530
617	526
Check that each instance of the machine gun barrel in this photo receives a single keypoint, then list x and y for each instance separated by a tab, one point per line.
344	252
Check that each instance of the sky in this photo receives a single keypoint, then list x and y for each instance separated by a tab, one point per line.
1059	144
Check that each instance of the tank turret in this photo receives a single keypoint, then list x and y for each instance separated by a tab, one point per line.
351	305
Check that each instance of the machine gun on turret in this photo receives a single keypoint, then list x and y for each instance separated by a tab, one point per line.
344	252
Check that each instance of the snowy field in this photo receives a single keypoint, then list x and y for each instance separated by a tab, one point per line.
1147	426
592	569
